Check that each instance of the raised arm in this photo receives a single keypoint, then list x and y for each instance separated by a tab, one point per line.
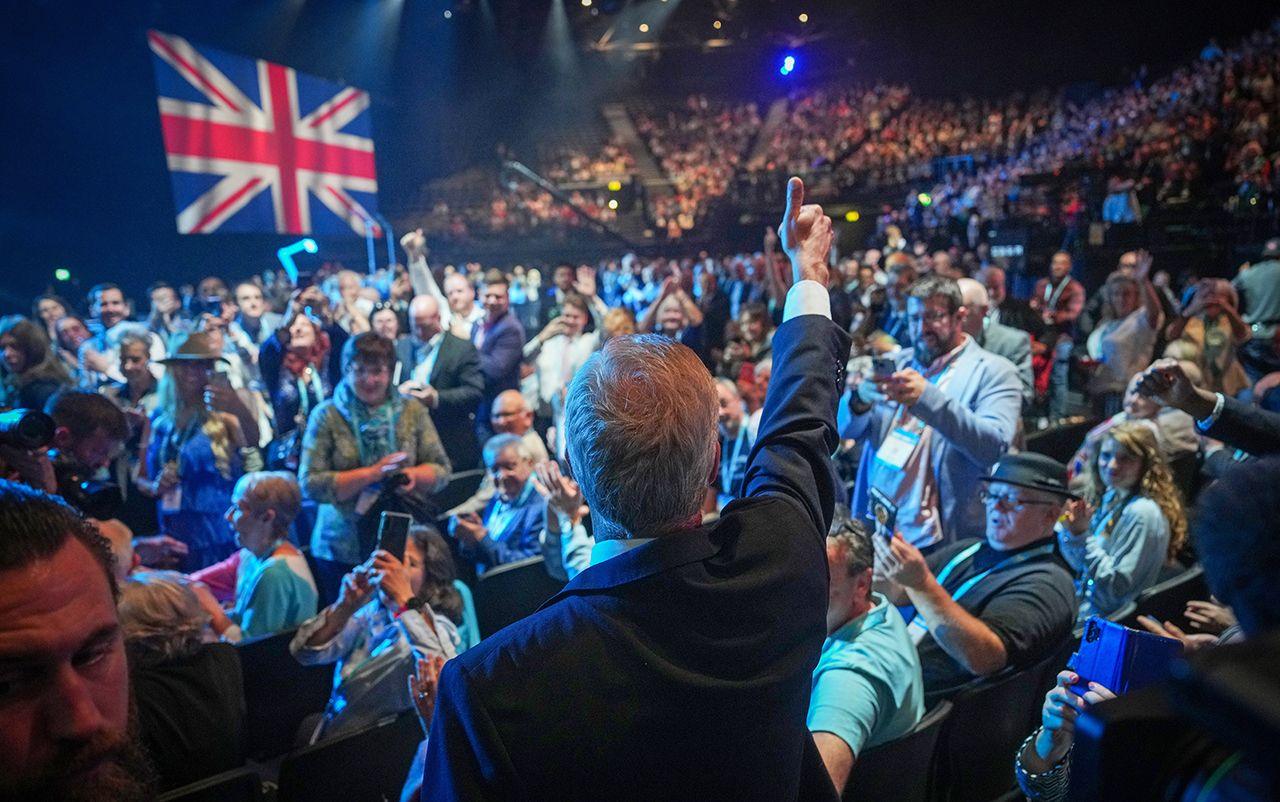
424	283
792	453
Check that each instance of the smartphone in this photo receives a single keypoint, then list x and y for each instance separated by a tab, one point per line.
884	512
1120	659
393	530
882	367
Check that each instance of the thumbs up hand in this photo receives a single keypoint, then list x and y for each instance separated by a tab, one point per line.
806	235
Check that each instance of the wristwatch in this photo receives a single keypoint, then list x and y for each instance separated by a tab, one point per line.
414	603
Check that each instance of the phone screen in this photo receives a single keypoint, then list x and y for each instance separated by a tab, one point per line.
393	530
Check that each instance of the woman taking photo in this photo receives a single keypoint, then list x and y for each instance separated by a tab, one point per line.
388	613
366	450
1132	527
299	368
30	372
193	455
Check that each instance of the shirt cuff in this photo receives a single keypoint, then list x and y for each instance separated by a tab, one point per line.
807	297
1219	402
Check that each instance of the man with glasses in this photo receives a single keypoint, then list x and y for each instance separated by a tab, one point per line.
934	427
980	605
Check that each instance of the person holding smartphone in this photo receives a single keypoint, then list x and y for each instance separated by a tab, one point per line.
389	612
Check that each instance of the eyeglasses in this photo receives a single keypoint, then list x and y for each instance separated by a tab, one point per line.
930	319
1011	502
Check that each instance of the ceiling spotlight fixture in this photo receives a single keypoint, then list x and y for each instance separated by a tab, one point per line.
644	27
448	14
586	3
717	25
803	17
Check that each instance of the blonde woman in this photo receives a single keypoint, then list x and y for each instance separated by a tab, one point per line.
189	692
193	455
1134	524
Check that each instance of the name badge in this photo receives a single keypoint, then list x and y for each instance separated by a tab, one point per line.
897	448
171	501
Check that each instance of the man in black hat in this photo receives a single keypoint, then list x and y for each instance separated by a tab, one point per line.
981	605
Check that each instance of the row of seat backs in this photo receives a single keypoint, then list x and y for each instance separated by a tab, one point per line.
370	765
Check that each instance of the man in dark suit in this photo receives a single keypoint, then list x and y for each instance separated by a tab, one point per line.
676	666
443	372
500	340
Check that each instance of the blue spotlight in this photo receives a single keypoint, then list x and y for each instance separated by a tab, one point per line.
788	65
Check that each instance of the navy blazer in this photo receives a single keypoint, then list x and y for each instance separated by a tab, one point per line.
500	356
1247	428
680	669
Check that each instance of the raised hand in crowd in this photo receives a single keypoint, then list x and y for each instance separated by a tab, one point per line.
1079	514
415	245
389	575
423	683
806	235
563	495
1166	381
585	283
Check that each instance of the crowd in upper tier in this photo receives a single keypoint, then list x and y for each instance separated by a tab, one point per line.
1204	135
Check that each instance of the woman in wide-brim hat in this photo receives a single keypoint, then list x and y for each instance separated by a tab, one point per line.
192	456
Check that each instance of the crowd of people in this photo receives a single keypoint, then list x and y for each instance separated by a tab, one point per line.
651	428
1202	136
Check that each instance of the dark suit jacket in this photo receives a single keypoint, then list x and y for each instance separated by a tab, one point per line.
1247	428
680	669
456	375
500	356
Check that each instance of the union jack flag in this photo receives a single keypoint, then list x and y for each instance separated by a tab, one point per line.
257	146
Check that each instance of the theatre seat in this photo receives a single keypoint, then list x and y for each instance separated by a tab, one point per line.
901	770
989	721
279	692
1167	601
237	785
367	765
510	592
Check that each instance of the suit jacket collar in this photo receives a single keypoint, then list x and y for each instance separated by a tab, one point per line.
662	554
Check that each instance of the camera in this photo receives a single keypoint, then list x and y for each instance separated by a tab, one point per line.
27	429
95	498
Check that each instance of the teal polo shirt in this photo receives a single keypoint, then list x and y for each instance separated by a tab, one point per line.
867	687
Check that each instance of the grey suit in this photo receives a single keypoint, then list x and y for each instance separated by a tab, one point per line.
1015	346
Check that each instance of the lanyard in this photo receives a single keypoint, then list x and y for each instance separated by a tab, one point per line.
304	398
962	557
726	468
1052	294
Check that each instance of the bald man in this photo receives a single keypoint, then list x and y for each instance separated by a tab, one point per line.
510	414
1006	341
442	371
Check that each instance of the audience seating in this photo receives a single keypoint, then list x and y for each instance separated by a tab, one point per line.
369	764
882	773
1168	600
988	722
237	785
279	693
510	592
